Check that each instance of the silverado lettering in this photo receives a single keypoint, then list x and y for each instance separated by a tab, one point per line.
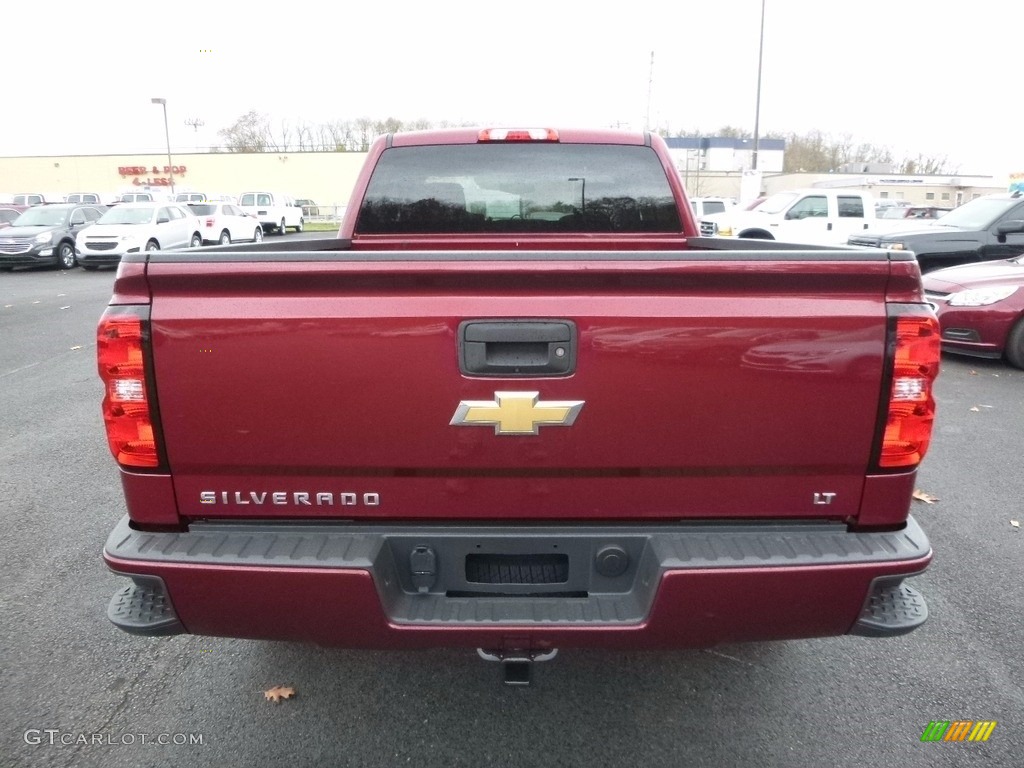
345	499
592	426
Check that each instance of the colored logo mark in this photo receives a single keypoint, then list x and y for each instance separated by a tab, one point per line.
516	413
958	730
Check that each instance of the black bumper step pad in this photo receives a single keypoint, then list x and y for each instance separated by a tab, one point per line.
890	610
143	608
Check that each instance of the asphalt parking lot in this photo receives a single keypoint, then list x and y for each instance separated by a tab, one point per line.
70	676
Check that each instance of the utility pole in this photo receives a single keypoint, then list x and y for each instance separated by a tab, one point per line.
650	86
757	106
700	154
196	124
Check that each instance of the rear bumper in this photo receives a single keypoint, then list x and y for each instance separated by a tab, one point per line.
605	586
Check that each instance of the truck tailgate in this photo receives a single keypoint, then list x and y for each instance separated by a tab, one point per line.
705	387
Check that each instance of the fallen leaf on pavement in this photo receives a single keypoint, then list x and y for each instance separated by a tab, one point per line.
1015	523
927	498
974	373
278	692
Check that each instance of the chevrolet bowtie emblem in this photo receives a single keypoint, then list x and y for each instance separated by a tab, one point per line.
516	413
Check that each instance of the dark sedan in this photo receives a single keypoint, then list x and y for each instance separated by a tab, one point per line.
45	234
981	308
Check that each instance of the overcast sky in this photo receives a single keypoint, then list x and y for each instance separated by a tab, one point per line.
941	78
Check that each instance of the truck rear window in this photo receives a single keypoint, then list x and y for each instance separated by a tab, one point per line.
518	188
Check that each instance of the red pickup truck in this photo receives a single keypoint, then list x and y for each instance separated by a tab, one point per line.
518	404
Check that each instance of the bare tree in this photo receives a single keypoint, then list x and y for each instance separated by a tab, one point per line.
695	184
283	143
869	153
339	136
249	133
923	165
325	137
390	125
364	133
305	137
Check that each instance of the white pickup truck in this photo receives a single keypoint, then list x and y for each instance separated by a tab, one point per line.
820	216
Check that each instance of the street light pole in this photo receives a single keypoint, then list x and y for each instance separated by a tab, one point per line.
167	134
757	106
583	192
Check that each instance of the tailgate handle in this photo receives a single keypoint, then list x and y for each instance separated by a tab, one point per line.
517	347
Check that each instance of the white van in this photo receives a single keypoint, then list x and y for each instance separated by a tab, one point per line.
275	211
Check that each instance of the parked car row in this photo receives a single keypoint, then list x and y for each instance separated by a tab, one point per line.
292	212
66	234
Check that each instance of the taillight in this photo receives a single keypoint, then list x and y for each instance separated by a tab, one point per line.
915	349
121	356
518	134
209	223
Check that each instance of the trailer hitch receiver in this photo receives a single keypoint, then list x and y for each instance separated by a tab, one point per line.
517	665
